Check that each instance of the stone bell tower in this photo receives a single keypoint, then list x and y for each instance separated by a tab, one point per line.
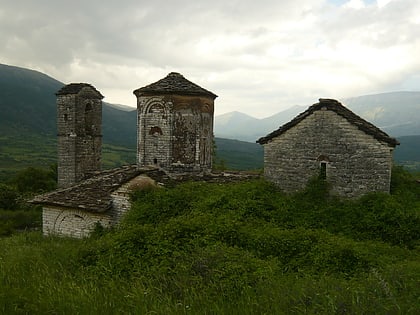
175	125
79	128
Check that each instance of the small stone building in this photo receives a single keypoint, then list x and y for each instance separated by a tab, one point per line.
101	199
175	125
330	141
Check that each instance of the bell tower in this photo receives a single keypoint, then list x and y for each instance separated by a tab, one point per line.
79	129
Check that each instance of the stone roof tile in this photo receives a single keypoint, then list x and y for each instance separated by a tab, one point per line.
93	194
341	110
174	83
75	88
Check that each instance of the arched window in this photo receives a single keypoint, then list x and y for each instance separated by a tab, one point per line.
156	109
155	131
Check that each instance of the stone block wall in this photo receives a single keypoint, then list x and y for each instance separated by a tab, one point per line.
175	132
355	163
79	127
72	222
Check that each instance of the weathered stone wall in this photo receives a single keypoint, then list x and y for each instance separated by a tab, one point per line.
79	125
121	197
72	222
175	132
356	163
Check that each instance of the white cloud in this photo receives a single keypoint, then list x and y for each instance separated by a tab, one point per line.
259	57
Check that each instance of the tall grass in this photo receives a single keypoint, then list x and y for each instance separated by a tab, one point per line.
241	248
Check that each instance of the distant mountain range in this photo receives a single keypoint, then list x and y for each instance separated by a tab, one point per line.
397	113
28	122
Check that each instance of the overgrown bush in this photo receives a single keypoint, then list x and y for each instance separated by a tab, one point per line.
35	180
239	248
8	197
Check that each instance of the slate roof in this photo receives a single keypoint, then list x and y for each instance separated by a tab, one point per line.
339	109
93	194
74	88
174	83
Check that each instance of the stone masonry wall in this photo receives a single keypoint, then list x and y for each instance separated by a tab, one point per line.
71	222
175	132
79	125
356	163
154	132
121	203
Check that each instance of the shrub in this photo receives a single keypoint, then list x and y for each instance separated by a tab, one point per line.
34	180
8	197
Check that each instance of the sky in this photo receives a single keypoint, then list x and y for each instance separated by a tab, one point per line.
259	57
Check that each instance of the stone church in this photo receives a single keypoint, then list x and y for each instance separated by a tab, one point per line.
175	136
330	141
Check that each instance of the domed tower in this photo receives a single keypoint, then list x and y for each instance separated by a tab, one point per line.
175	125
79	128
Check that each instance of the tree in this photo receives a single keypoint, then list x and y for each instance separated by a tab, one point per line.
8	197
35	180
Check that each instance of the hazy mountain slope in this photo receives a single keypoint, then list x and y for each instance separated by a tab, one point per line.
28	105
27	101
119	126
239	155
233	125
397	113
408	152
246	128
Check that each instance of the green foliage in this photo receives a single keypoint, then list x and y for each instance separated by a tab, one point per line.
12	221
238	248
8	197
35	180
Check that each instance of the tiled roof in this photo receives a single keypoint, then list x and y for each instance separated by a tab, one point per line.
341	110
174	83
94	194
74	88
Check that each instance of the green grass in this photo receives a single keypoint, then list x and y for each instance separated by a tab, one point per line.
20	152
239	248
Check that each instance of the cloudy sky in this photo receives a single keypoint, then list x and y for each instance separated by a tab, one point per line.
260	57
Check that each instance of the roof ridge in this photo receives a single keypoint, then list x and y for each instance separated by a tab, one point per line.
339	109
75	88
175	83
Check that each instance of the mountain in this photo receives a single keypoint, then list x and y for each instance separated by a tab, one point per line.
236	125
27	101
397	113
408	152
28	106
238	155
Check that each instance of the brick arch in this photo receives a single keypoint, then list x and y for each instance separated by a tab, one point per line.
156	106
74	223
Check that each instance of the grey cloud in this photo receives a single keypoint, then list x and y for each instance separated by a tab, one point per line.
278	49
